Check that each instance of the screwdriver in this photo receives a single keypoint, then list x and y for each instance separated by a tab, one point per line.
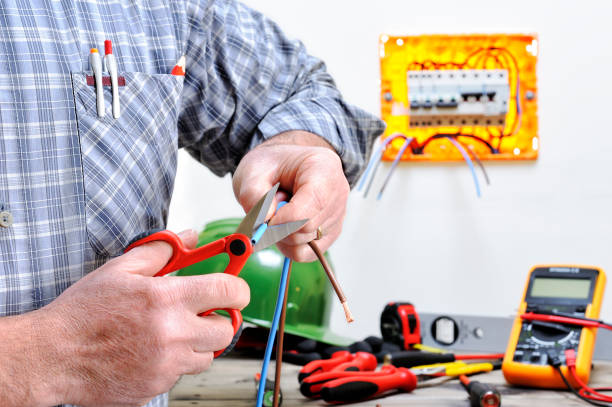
358	386
481	394
361	362
342	361
411	358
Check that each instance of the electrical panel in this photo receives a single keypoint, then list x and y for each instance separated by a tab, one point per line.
480	90
448	98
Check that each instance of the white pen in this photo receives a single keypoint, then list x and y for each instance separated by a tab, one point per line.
96	66
110	64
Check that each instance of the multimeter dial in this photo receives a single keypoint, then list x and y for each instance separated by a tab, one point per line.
537	338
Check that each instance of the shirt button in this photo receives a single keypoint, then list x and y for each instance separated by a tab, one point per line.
6	219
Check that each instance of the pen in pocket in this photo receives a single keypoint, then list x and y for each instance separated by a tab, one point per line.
179	68
96	66
110	64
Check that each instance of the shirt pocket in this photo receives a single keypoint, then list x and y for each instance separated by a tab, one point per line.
129	163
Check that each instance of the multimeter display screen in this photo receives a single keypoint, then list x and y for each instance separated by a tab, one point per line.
578	288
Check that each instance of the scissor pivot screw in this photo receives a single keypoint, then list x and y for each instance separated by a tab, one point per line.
237	247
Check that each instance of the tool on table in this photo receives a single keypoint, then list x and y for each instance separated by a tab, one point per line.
96	66
554	295
454	369
357	386
340	361
400	324
481	394
110	65
411	358
253	234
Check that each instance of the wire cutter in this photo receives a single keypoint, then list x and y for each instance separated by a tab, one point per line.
253	234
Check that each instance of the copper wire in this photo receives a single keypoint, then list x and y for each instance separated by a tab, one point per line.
332	279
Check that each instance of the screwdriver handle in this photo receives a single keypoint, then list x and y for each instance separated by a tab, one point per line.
411	358
361	362
362	365
324	365
353	389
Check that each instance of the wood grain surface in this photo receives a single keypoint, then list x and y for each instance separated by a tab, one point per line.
230	382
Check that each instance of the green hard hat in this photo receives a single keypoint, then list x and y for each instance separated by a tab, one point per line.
310	296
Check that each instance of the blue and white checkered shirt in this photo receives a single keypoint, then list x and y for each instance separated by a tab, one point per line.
79	187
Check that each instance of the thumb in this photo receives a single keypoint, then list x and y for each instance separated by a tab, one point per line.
150	258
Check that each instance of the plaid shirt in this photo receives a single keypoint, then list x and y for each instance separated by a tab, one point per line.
80	187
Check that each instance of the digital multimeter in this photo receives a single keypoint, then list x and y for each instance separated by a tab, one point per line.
569	290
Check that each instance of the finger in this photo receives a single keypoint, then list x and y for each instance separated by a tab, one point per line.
189	238
251	189
328	229
204	292
197	362
305	204
303	252
149	258
211	333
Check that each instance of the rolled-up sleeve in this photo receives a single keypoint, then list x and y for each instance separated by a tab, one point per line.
246	82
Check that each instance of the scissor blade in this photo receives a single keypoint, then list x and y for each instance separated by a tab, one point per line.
257	214
278	232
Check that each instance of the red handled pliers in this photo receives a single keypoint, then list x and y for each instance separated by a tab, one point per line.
238	246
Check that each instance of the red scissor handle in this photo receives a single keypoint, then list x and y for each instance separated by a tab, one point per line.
237	246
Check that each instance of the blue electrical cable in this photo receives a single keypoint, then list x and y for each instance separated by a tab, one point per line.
261	388
275	320
375	163
395	162
467	159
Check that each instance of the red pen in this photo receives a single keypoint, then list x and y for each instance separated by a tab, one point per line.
179	68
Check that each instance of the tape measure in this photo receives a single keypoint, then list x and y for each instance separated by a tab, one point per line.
400	324
572	291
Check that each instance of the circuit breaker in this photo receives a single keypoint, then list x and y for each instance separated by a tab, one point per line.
472	97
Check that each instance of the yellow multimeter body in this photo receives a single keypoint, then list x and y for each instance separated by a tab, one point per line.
574	290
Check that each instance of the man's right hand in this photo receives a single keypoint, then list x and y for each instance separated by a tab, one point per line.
120	337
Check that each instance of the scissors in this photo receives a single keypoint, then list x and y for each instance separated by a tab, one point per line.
253	234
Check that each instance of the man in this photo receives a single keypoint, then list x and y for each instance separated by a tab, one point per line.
83	323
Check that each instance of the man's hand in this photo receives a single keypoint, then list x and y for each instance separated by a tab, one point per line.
120	337
310	170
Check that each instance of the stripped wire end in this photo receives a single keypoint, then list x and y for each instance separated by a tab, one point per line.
347	312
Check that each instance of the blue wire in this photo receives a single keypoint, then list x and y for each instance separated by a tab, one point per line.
267	355
395	162
467	159
375	158
259	232
261	389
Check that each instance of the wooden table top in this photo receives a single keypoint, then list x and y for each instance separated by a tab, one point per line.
230	382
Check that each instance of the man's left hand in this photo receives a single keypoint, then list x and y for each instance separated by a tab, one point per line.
308	169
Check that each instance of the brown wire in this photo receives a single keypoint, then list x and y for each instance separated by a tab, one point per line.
279	342
332	279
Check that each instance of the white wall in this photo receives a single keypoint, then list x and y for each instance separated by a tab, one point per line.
430	240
